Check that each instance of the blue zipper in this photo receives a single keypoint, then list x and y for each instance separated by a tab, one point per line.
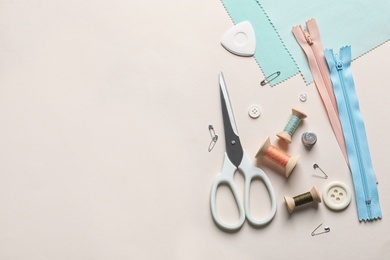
366	191
339	67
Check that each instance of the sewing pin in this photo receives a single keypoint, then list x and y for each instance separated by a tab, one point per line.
326	230
270	78
214	138
315	166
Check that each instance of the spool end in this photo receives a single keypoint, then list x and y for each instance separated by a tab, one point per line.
315	194
298	113
263	148
290	203
285	136
291	165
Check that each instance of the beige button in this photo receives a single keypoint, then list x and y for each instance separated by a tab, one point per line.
337	195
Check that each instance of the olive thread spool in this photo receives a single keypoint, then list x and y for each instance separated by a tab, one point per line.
291	125
277	156
305	198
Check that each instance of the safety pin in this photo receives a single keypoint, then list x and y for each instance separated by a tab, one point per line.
269	79
214	138
315	166
326	230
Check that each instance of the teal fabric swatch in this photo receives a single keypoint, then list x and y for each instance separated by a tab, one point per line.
271	54
361	23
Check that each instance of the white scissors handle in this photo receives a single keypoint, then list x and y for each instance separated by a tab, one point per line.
226	177
251	173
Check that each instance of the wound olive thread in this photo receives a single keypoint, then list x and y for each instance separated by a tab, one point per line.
302	199
291	125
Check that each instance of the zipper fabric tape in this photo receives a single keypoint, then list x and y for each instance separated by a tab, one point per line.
271	54
366	191
341	22
310	42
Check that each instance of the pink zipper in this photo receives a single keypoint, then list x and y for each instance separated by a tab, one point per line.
310	42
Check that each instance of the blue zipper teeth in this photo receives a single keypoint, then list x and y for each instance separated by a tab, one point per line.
339	67
366	191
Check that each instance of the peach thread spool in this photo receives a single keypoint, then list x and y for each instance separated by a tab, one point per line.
291	125
305	198
277	156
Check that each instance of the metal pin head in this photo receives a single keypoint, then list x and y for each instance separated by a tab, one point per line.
327	229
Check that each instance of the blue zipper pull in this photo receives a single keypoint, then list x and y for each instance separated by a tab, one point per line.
339	65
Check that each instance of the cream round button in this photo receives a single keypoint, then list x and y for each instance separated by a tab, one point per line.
254	111
337	195
303	97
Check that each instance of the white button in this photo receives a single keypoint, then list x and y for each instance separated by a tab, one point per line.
303	97
337	195
254	111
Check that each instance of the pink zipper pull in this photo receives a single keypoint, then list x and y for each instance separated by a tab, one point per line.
308	38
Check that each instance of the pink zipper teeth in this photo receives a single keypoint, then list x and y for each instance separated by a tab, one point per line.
310	42
318	51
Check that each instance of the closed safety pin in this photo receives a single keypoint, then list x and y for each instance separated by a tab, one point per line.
315	166
326	230
214	138
270	78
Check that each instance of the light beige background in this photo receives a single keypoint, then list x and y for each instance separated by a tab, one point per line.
104	114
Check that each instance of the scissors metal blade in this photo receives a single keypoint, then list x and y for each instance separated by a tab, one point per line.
232	140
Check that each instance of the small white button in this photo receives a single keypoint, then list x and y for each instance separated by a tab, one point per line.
337	195
254	111
303	97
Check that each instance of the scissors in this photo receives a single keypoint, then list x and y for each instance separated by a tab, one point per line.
236	159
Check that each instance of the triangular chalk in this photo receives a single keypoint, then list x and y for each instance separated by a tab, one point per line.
240	39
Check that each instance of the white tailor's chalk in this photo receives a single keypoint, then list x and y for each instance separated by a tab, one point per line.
240	39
